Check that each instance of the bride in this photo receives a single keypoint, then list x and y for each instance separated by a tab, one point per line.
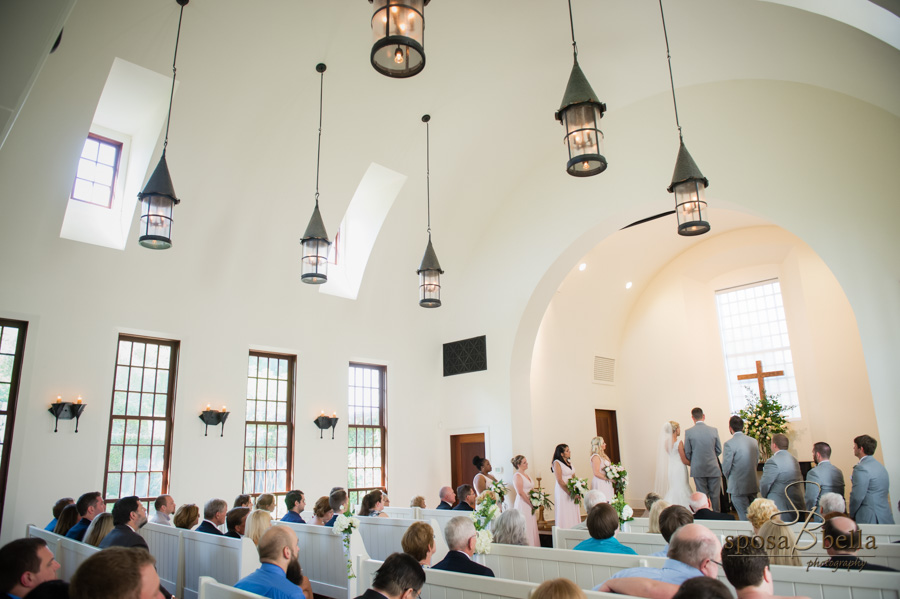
671	467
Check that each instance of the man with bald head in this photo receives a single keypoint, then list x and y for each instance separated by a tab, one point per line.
842	539
279	554
448	498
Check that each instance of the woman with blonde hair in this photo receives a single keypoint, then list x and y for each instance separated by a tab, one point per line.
655	510
98	529
557	588
761	511
418	541
322	512
671	467
523	485
258	522
187	516
417	501
266	501
780	544
599	462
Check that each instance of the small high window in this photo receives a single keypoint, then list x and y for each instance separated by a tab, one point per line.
98	168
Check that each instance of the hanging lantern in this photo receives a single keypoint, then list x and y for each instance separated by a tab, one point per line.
580	115
430	278
157	200
398	32
315	242
689	186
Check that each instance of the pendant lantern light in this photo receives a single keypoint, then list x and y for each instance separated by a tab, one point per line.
398	35
430	269
688	183
580	114
315	242
158	197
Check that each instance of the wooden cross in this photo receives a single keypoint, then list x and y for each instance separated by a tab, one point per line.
760	375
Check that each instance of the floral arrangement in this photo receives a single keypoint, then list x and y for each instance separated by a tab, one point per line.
344	525
577	488
486	509
539	498
499	488
626	514
764	418
618	476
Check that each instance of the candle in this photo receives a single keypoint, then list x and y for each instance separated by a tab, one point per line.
334	414
59	399
323	413
223	408
78	401
208	408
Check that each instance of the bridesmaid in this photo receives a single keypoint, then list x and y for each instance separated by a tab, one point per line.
567	512
522	484
484	474
599	462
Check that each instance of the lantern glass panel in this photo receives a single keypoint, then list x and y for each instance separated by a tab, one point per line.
398	31
156	221
430	288
584	139
314	262
690	207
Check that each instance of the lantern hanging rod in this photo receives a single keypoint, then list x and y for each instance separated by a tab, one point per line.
572	27
183	3
425	119
671	78
320	68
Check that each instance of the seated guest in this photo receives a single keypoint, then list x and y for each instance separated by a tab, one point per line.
337	500
760	511
266	501
243	500
51	589
187	516
99	528
842	539
781	544
67	519
418	541
602	523
258	522
417	501
57	510
655	511
693	551
213	516
296	503
650	499
25	564
591	498
279	552
89	505
832	502
703	509
236	521
509	528
399	577
165	508
448	498
702	588
466	496
372	504
116	573
460	535
671	519
129	515
557	588
747	569
322	512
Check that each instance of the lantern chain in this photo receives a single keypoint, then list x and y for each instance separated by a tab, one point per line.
174	72
428	172
321	70
572	27
671	78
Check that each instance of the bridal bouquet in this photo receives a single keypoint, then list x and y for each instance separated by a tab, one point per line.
618	476
486	509
626	514
499	487
577	488
344	525
539	498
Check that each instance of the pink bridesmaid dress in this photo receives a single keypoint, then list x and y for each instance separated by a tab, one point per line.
531	529
566	513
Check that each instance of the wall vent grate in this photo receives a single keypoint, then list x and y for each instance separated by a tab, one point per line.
604	370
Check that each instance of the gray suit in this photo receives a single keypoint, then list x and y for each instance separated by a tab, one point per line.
739	465
869	493
701	447
781	470
830	479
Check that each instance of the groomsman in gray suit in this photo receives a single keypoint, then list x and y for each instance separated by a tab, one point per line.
702	447
739	466
869	491
781	470
829	477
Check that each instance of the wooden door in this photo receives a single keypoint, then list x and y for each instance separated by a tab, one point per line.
462	449
609	430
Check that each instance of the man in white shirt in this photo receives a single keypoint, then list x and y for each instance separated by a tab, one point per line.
165	507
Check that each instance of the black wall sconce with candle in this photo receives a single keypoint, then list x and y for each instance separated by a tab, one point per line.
212	417
66	410
324	422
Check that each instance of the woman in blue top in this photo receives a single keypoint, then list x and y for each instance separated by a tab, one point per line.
602	523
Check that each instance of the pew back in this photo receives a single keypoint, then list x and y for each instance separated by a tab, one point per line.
52	539
210	589
165	543
323	560
209	555
71	554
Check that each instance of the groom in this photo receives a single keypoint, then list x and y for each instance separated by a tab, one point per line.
702	448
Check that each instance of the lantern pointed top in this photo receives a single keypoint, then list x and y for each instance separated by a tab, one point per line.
578	91
316	228
686	169
429	260
160	182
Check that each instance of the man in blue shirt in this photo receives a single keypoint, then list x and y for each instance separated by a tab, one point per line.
295	502
671	519
279	552
602	523
693	551
89	505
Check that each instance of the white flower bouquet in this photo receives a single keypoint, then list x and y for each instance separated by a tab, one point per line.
626	514
499	488
344	525
486	509
618	476
578	488
539	498
483	541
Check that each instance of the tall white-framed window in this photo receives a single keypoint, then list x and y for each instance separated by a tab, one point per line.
753	327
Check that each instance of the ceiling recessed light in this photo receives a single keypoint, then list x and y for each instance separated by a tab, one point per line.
628	285
582	266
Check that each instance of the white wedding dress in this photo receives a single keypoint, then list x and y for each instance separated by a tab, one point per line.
671	474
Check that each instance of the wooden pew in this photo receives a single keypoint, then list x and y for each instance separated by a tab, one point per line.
323	561
645	543
210	589
440	516
166	545
209	555
407	513
382	537
71	555
52	539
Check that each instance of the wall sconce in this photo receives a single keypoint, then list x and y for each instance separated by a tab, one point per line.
66	410
214	418
324	422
